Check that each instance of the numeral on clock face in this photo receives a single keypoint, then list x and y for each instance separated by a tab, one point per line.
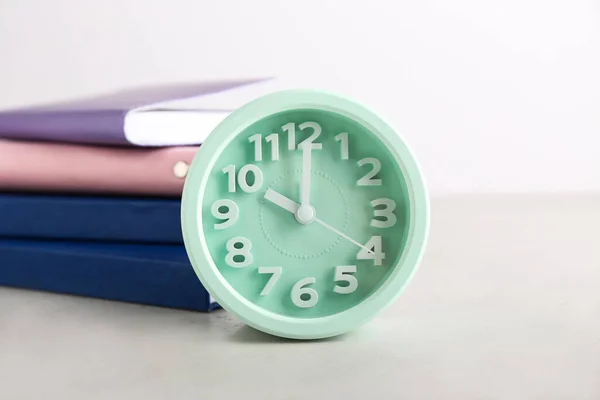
343	274
257	140
343	139
311	127
238	252
368	179
231	215
302	296
386	212
275	274
376	254
242	178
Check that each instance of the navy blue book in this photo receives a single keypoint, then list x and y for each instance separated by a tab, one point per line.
157	275
89	218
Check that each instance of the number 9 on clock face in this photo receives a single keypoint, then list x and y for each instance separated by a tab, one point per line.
305	214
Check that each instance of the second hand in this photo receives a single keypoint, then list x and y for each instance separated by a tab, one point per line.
331	228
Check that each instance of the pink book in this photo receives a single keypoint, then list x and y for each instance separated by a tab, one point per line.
73	168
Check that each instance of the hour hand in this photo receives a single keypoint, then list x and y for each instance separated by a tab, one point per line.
282	201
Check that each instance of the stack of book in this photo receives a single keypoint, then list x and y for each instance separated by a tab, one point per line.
90	194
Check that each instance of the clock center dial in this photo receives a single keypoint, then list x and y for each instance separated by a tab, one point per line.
301	231
305	214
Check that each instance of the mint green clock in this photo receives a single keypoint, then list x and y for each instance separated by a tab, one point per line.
304	214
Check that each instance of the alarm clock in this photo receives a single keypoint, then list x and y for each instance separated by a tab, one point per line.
304	214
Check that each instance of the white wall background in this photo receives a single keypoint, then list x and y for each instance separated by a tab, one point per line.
494	96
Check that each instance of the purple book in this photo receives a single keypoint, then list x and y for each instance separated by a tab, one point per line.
162	115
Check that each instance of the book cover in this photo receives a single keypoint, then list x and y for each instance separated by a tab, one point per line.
74	168
130	117
157	275
90	218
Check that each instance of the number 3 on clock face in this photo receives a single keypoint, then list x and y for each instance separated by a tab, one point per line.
304	214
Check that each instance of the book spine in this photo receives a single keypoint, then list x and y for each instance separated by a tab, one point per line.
91	218
68	168
103	127
155	283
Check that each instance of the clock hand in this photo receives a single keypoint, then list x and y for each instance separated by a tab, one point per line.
282	201
331	228
306	162
293	207
303	214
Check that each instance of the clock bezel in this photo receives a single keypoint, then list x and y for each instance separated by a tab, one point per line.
224	293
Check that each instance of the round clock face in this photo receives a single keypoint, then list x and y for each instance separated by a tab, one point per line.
304	214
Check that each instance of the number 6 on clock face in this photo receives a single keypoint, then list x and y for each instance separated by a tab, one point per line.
303	296
304	214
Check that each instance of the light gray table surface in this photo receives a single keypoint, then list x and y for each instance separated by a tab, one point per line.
506	305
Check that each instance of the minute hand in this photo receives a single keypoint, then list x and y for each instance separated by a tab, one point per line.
306	166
